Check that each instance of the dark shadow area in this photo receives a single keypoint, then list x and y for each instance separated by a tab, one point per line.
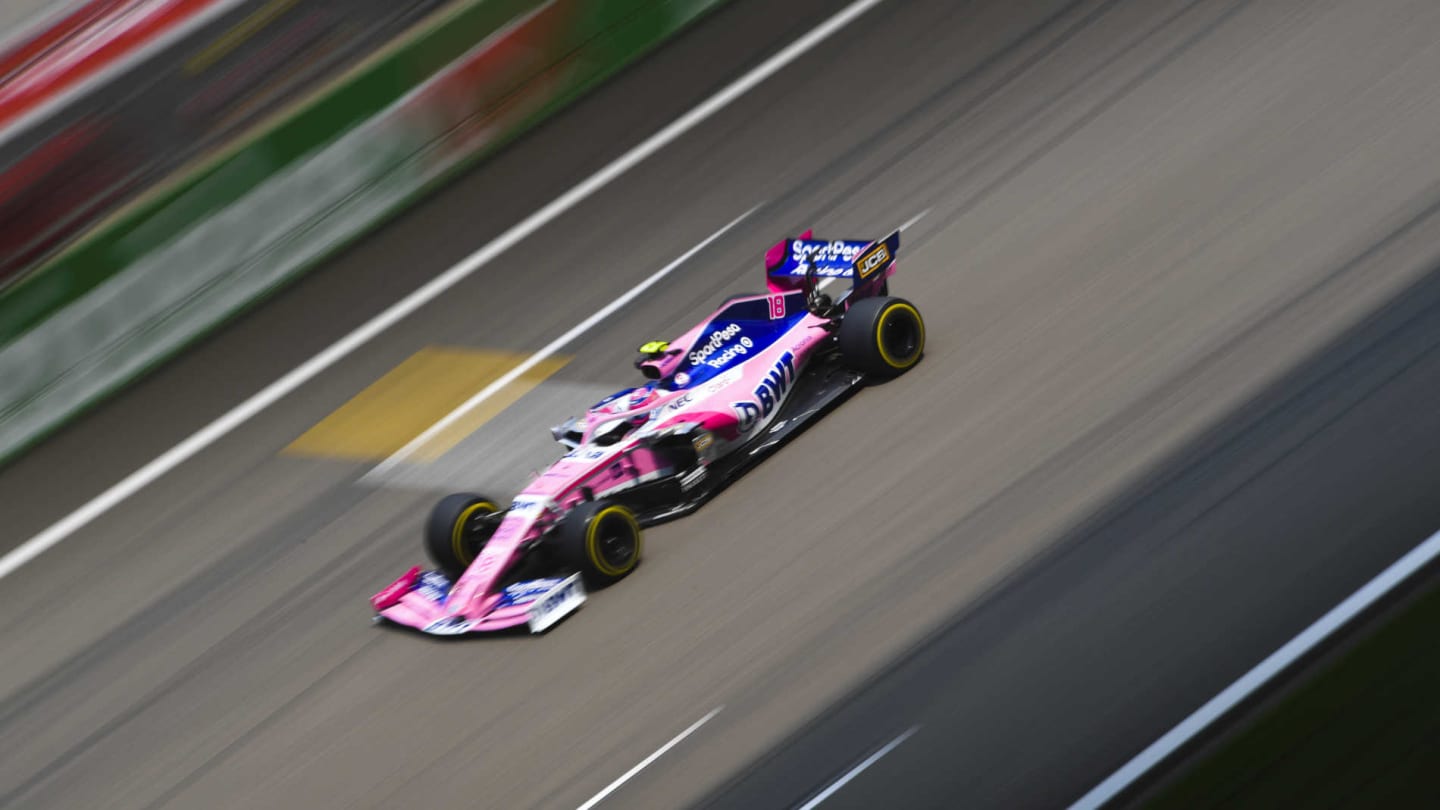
1356	727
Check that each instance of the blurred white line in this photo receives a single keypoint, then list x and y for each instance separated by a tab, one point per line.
625	777
401	309
909	223
855	771
550	349
1263	672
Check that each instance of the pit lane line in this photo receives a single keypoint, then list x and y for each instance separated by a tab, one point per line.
1264	672
659	752
363	334
857	769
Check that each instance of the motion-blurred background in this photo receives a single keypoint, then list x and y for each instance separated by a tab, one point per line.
1177	258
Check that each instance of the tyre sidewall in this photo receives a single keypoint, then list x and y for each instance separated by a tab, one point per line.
445	542
862	338
577	541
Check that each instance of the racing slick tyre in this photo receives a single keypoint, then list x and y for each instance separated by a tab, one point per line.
459	526
882	336
600	539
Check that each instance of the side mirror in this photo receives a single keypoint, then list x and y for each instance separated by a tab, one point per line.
569	433
611	432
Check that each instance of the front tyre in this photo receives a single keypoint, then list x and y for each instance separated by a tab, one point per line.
882	336
458	528
600	539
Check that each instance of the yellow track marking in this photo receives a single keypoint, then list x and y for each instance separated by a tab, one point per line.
413	396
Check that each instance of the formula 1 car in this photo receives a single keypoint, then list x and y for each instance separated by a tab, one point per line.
719	398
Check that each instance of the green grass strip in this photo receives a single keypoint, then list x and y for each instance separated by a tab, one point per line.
1363	732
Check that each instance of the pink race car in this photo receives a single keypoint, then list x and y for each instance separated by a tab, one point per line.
719	398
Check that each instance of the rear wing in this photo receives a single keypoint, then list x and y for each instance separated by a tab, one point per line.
787	263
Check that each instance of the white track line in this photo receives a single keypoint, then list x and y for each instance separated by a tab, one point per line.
301	374
550	349
855	771
910	223
625	777
1277	662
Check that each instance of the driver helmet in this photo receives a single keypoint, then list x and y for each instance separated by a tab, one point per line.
640	396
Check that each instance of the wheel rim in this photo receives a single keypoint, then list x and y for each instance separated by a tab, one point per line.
469	531
615	543
900	336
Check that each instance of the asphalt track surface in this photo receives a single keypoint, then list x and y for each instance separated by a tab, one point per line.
1168	415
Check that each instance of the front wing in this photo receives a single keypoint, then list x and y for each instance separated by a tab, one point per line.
417	600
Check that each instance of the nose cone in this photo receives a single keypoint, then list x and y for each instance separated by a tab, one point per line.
465	589
469	598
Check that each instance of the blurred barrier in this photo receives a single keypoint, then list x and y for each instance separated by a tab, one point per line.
121	93
179	263
92	37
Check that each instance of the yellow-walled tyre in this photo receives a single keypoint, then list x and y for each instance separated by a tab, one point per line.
459	526
601	540
882	336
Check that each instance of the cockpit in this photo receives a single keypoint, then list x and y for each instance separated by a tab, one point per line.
628	409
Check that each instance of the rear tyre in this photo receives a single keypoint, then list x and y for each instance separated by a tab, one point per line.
882	336
601	540
459	527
